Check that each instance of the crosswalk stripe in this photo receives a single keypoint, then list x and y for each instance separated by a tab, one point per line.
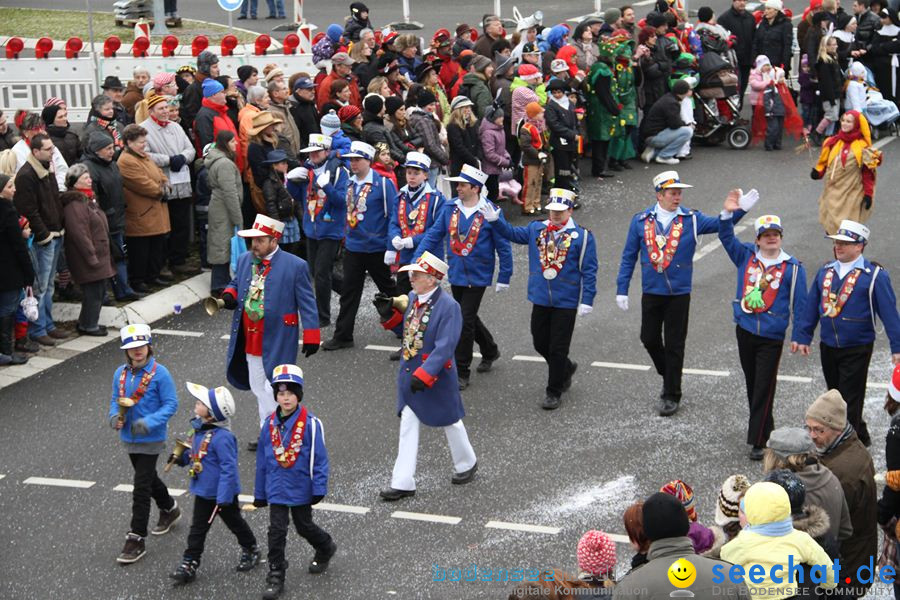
706	372
72	483
628	366
344	508
180	333
413	516
522	527
526	358
794	378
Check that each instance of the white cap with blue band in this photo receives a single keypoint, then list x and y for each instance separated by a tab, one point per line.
418	160
561	199
287	374
851	231
218	401
135	336
470	175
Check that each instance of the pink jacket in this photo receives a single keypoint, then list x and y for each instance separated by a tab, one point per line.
493	146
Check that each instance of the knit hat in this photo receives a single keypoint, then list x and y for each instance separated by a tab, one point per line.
211	87
53	100
98	140
558	65
426	97
684	493
776	4
492	113
4	179
788	441
153	99
830	410
245	72
74	174
502	65
655	20
348	113
611	15
205	61
460	102
795	488
729	501
704	14
597	554
527	71
48	115
358	7
163	79
373	103
664	517
392	104
480	63
334	32
330	123
533	110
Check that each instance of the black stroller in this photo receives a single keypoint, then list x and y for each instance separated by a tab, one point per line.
718	95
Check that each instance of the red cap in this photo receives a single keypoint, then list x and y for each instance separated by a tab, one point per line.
527	70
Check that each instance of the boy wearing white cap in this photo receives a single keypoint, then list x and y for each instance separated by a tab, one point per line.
845	296
662	236
143	400
215	481
474	245
562	283
371	199
771	291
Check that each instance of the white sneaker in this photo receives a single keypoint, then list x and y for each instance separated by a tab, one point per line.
667	161
647	154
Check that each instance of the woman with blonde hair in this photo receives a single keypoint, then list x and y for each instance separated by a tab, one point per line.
831	83
379	85
462	134
364	63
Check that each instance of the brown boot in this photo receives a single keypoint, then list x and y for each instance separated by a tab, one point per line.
167	518
134	549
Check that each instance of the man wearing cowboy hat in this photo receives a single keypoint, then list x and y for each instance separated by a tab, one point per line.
560	254
771	291
427	390
662	236
845	296
268	291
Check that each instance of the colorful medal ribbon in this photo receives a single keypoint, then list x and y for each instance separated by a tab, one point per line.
420	214
552	253
142	386
460	246
661	248
315	200
197	459
761	285
287	458
414	329
356	207
832	303
253	304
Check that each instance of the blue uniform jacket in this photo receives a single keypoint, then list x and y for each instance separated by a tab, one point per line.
435	201
440	404
576	283
159	403
773	323
288	292
219	479
853	326
329	223
476	269
371	233
340	145
307	477
676	279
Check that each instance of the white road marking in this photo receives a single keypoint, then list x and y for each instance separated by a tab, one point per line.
2	476
73	483
794	378
245	498
706	372
715	244
522	527
877	385
345	508
412	516
227	336
619	539
127	487
194	334
626	366
526	358
884	142
382	348
644	3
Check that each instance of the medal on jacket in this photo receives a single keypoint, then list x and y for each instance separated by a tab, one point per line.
761	285
356	207
315	200
833	303
254	303
197	459
464	246
419	214
414	329
661	248
142	385
287	457
552	253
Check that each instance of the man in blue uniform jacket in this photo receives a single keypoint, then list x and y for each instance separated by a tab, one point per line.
665	237
427	390
845	296
562	283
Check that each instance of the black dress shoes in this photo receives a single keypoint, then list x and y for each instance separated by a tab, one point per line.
392	495
465	476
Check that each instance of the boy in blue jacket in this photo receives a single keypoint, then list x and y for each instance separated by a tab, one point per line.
215	482
291	476
142	402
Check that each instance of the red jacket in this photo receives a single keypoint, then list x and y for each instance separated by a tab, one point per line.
451	76
210	120
324	92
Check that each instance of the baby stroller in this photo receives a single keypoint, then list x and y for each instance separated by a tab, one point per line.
718	96
883	115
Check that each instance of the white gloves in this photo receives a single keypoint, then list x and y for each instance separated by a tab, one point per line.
490	212
585	309
323	179
748	200
407	243
501	287
298	174
390	257
542	156
397	243
622	301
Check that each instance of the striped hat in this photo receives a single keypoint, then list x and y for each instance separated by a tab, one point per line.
287	374
153	99
263	226
561	199
218	401
729	501
429	264
684	493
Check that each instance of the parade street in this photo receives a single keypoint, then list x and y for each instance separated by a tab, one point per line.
544	477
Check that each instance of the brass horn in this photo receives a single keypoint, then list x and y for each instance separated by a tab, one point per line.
400	303
124	405
213	305
180	447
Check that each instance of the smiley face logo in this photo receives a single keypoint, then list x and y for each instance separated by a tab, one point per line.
682	573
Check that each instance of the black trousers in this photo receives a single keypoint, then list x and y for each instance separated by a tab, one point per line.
847	371
356	265
473	330
563	169
147	485
759	360
599	151
321	254
666	316
743	79
404	286
92	300
551	333
146	257
493	187
230	515
180	210
279	519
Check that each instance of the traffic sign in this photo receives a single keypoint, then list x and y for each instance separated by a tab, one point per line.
230	5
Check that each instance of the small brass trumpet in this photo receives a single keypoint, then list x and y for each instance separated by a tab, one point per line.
180	447
213	305
124	405
400	303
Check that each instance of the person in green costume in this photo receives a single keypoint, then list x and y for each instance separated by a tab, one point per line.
611	107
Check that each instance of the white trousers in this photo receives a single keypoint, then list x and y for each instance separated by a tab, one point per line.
404	475
261	388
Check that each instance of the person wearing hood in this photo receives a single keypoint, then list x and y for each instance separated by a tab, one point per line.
475	84
357	21
603	109
193	96
226	192
771	288
882	54
18	271
806	516
56	121
551	44
770	540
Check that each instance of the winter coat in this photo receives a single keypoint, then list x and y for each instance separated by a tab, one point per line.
563	126
585	57
306	117
37	199
426	126
495	157
868	24
18	271
775	41
664	114
108	189
328	221
831	81
369	234
531	143
307	477
59	167
374	131
155	408
521	97
133	95
145	212
87	239
279	204
823	489
219	479
164	142
191	101
353	26
289	125
324	91
743	27
889	504
483	46
8	139
210	120
655	68
476	89
93	125
224	181
463	147
67	142
401	141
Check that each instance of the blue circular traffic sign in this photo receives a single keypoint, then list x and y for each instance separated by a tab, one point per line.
230	5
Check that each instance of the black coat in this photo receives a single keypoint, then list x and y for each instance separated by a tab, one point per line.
563	125
17	271
831	80
191	101
464	145
743	26
279	203
664	114
374	131
402	141
889	504
37	199
68	143
108	189
306	117
774	40
655	71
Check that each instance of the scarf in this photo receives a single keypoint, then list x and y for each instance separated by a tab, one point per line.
87	192
110	126
843	143
847	137
158	122
564	101
40	168
57	131
848	429
773	529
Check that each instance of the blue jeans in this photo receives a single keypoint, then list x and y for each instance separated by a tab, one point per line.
669	141
276	7
45	259
9	302
121	288
252	4
433	174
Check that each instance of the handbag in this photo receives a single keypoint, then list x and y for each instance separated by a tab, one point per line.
238	247
30	305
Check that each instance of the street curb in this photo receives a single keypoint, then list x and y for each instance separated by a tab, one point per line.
146	310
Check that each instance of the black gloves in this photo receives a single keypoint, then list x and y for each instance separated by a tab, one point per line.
260	503
867	202
815	174
310	349
416	385
176	162
316	499
230	301
384	304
